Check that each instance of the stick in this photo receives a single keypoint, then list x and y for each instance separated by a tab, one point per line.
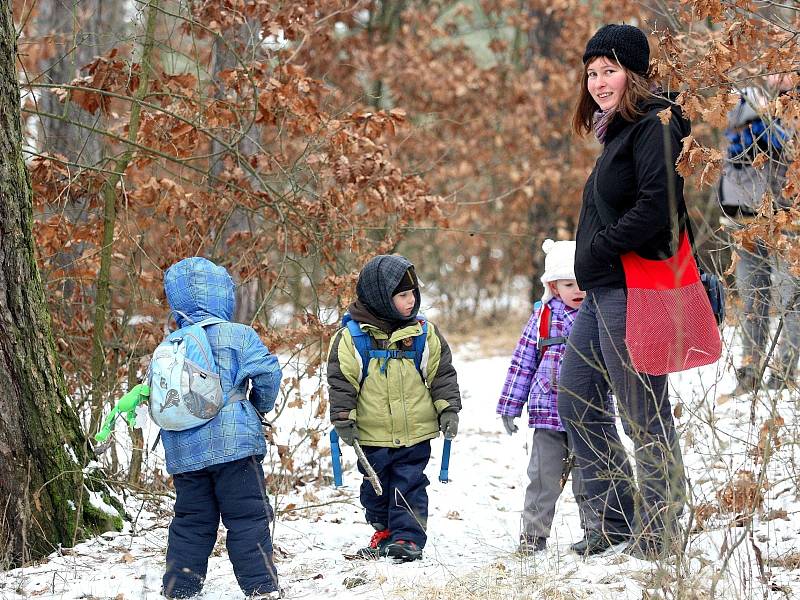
372	477
567	466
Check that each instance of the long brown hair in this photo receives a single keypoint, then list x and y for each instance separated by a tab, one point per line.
637	89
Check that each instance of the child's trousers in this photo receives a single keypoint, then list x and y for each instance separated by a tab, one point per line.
549	453
234	491
403	506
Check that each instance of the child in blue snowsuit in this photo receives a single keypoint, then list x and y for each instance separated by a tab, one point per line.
216	467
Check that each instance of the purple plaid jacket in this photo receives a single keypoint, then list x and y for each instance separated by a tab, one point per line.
538	386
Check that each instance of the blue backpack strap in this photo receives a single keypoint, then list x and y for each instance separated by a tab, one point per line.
419	345
230	398
363	345
361	341
415	354
384	354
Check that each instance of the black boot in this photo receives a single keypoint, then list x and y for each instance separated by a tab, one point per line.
595	542
403	551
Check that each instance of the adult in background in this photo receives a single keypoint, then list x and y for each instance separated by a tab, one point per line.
762	278
633	177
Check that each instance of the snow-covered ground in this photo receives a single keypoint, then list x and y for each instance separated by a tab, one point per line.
474	519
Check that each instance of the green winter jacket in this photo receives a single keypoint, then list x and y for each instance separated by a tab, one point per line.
395	408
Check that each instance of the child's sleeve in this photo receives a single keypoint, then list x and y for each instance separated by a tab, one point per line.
441	374
520	372
263	370
343	377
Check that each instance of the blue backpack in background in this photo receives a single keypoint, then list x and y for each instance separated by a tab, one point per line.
185	387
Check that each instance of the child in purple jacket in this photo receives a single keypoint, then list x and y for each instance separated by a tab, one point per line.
533	378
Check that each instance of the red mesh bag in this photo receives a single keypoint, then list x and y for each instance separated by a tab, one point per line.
670	325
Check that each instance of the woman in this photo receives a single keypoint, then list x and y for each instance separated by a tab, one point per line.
632	201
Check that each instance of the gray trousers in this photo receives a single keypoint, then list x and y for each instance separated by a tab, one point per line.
549	453
597	358
759	276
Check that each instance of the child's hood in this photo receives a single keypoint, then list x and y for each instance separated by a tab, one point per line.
199	289
376	282
750	101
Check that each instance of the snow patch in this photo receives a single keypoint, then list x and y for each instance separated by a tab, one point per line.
96	500
68	449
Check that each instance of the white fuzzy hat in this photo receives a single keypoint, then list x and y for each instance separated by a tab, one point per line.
559	263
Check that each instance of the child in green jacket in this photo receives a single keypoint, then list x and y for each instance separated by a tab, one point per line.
394	407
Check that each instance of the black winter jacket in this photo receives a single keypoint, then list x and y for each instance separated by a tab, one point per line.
633	177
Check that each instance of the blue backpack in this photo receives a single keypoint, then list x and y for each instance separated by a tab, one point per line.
185	388
363	343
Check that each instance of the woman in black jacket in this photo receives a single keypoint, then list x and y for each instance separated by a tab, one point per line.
632	201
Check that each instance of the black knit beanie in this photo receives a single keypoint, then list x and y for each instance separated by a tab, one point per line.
625	43
408	282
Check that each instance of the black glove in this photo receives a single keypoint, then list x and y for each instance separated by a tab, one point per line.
508	423
448	424
347	430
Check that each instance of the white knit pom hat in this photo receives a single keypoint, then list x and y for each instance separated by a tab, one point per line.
559	263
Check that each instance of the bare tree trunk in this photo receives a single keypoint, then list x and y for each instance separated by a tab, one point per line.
80	31
137	437
541	44
224	53
43	498
109	194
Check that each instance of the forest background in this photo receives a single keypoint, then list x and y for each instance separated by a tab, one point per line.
290	141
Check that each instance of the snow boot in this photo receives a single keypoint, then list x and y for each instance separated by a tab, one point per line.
596	542
377	545
530	544
403	551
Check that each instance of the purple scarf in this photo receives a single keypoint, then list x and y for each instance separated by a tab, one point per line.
600	122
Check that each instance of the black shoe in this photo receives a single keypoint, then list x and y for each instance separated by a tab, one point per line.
377	545
529	544
403	551
595	542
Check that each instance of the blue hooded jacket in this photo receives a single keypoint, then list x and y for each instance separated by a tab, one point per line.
199	289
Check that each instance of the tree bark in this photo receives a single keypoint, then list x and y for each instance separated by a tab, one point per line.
80	30
44	492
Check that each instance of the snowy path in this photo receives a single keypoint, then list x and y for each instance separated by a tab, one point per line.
474	524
